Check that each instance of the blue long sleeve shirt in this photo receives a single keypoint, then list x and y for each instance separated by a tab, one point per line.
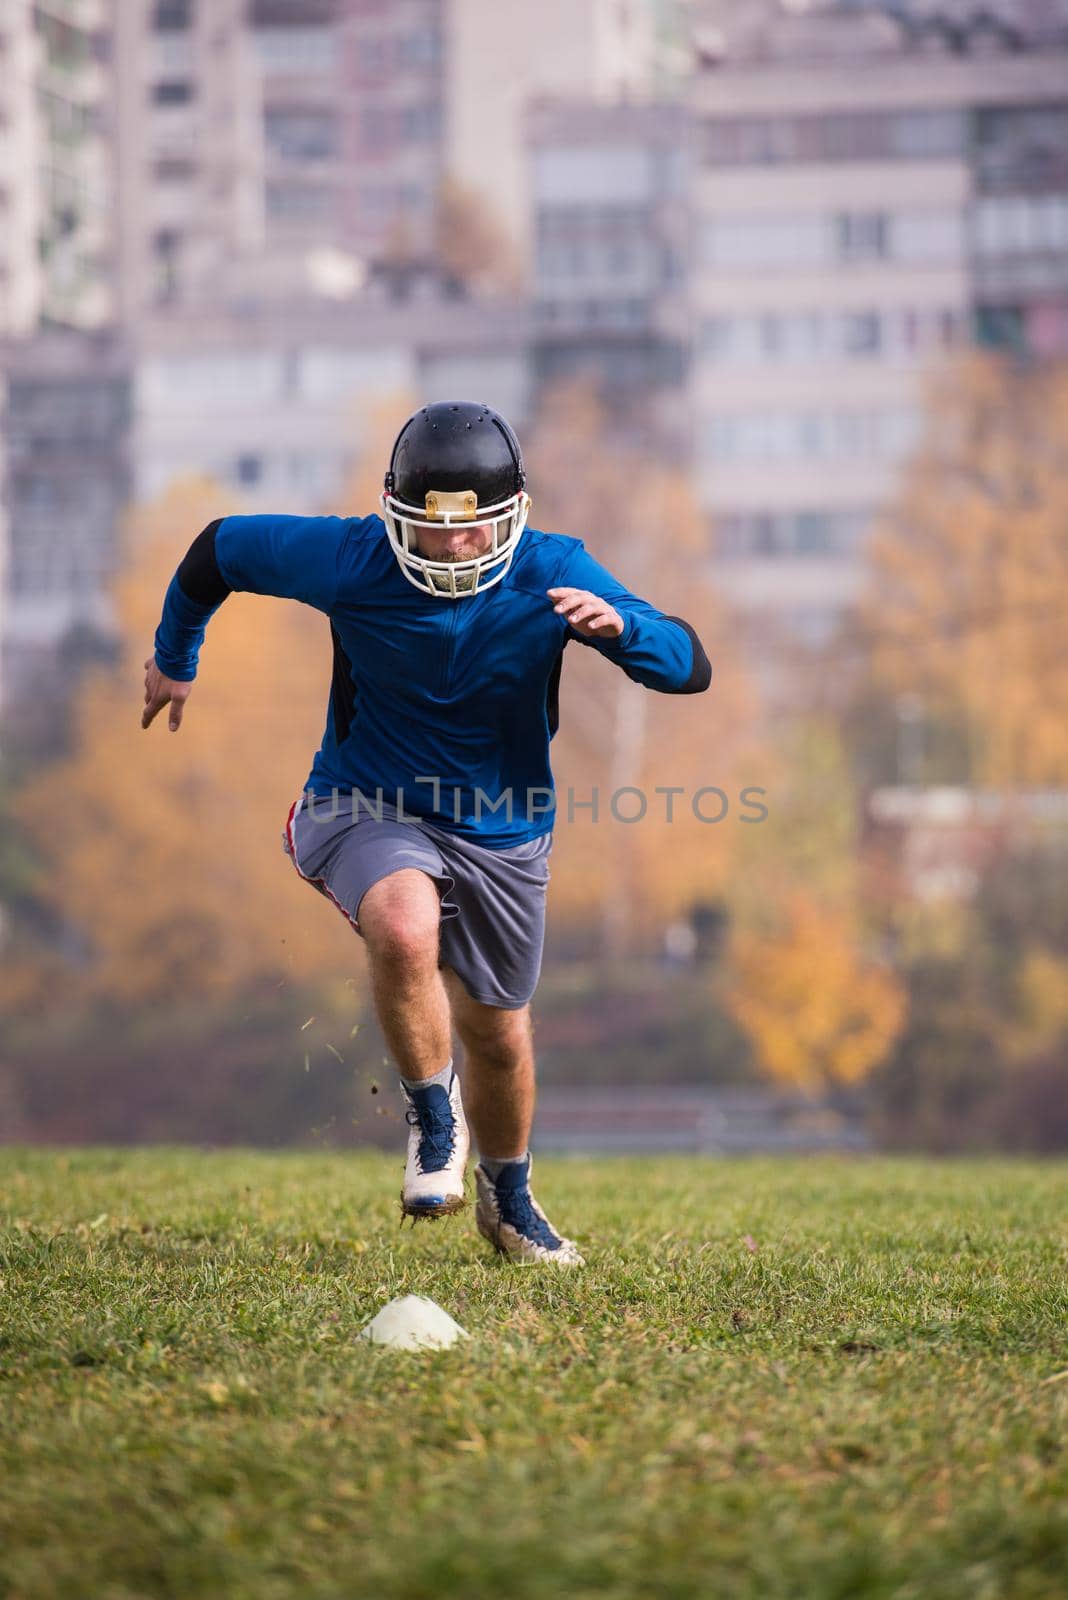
442	708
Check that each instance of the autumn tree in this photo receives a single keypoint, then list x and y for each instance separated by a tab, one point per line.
376	427
470	243
804	976
469	251
969	571
636	514
162	852
817	1012
961	625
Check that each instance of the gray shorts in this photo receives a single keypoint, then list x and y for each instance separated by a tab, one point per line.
492	901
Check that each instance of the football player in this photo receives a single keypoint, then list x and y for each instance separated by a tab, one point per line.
427	817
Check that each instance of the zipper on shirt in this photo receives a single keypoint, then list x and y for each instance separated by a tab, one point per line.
450	646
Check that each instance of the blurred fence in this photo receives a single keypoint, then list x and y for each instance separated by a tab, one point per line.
709	1122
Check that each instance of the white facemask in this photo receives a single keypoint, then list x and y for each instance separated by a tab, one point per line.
452	580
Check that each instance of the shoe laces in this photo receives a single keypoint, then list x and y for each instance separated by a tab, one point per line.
519	1212
436	1122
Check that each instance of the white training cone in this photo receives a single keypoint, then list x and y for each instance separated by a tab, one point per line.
413	1323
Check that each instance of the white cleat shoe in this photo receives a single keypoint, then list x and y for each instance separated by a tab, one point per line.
438	1147
515	1225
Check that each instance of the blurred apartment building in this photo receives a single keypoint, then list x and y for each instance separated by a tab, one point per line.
259	142
56	265
66	432
876	185
761	273
56	271
280	413
610	187
504	56
249	175
256	134
186	148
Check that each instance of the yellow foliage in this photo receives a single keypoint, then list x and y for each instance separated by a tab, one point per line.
639	520
815	1012
165	849
810	835
1041	1018
969	580
377	426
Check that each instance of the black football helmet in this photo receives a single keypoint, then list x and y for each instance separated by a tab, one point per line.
455	462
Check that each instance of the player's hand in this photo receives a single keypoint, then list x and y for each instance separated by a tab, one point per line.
587	613
161	691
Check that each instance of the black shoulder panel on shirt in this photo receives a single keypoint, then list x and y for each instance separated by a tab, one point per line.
342	690
552	693
701	671
199	573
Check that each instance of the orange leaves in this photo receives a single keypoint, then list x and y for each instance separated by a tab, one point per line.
816	1013
626	880
163	850
970	572
816	1009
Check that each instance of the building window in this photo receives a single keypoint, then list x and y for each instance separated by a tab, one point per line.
174	169
1021	225
860	235
173	92
171	16
166	247
374	130
296	49
743	535
1022	147
374	56
811	435
301	134
1000	328
860	333
420	122
299	201
932	135
422	49
814	337
833	137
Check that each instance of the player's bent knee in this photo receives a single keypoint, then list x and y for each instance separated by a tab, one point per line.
400	918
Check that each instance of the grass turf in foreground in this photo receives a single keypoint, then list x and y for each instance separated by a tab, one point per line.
802	1377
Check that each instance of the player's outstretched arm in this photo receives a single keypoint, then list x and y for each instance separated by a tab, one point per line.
657	651
295	558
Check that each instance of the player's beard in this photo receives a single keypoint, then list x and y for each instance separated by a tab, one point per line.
452	558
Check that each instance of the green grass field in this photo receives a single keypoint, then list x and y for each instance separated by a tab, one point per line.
810	1378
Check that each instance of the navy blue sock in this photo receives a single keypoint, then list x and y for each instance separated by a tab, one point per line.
496	1168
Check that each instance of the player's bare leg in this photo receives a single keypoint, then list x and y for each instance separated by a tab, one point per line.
499	1078
498	1071
400	921
399	918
